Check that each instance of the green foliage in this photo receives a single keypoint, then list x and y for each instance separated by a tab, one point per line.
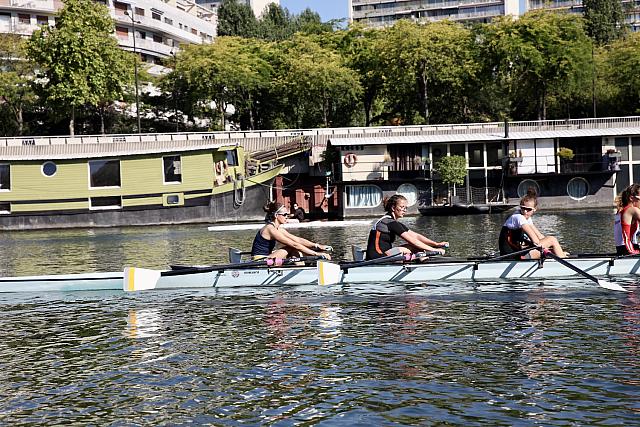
236	19
604	20
619	75
452	169
16	76
79	60
565	153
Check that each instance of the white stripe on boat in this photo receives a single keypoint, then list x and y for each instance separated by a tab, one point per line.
310	224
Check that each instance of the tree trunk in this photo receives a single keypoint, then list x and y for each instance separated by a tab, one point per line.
425	94
251	121
19	119
101	114
72	121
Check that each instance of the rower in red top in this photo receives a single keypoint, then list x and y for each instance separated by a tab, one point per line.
518	232
386	229
627	220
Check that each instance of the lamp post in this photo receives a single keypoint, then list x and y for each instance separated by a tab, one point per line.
135	66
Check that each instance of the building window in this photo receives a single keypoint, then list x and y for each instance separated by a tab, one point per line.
578	188
49	169
104	203
525	185
5	177
122	32
410	192
156	16
172	169
476	158
363	196
24	18
104	173
168	21
42	20
157	38
139	11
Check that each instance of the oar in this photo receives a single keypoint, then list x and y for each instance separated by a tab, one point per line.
139	279
602	283
330	273
501	257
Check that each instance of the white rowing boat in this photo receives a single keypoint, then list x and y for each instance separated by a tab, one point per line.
309	224
250	274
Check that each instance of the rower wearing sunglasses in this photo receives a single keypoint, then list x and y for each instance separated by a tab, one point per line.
291	246
627	220
386	229
519	233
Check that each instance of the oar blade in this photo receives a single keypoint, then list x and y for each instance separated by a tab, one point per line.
328	273
612	286
139	279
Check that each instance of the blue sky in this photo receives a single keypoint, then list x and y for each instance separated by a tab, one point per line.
328	9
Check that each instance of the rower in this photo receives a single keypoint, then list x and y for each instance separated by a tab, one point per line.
518	232
386	229
627	220
292	246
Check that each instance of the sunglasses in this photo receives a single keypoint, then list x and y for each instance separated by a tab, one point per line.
527	208
281	214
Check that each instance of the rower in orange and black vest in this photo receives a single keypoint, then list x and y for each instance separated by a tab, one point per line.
386	229
518	232
627	221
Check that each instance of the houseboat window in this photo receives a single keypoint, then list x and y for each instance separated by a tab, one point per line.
232	157
524	186
49	169
475	155
622	145
5	208
109	202
457	149
410	192
5	177
363	196
173	199
104	173
578	188
172	169
438	151
635	148
622	178
494	154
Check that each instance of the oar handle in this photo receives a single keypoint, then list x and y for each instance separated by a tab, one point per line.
267	262
512	254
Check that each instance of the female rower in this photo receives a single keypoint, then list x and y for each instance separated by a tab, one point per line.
519	233
292	246
627	220
386	229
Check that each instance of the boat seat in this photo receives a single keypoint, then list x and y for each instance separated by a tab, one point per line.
235	255
358	253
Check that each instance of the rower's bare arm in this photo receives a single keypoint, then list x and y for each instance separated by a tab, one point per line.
416	240
533	233
288	239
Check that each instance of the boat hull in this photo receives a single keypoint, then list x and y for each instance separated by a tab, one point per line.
294	276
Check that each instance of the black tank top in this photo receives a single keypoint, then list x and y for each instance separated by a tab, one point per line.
262	246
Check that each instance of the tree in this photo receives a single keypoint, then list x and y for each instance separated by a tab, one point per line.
541	57
428	60
275	23
227	72
315	82
604	20
80	61
236	19
620	74
452	170
16	76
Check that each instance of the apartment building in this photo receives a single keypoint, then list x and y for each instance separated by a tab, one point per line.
160	26
379	13
258	6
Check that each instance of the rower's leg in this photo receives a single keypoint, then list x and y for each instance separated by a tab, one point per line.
551	243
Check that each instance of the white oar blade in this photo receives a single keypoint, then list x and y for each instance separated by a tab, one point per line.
612	286
139	279
328	273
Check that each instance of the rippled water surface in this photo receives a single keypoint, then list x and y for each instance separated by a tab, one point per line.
544	353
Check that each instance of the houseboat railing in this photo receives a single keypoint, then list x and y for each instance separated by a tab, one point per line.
260	140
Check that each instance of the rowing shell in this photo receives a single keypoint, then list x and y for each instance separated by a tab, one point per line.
133	279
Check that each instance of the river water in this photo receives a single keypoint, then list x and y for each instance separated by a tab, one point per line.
561	352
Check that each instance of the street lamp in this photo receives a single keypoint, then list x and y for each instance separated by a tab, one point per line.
135	65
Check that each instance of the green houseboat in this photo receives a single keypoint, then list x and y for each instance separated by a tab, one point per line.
94	181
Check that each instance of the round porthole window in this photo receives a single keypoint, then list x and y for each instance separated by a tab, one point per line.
525	185
410	192
49	169
578	188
